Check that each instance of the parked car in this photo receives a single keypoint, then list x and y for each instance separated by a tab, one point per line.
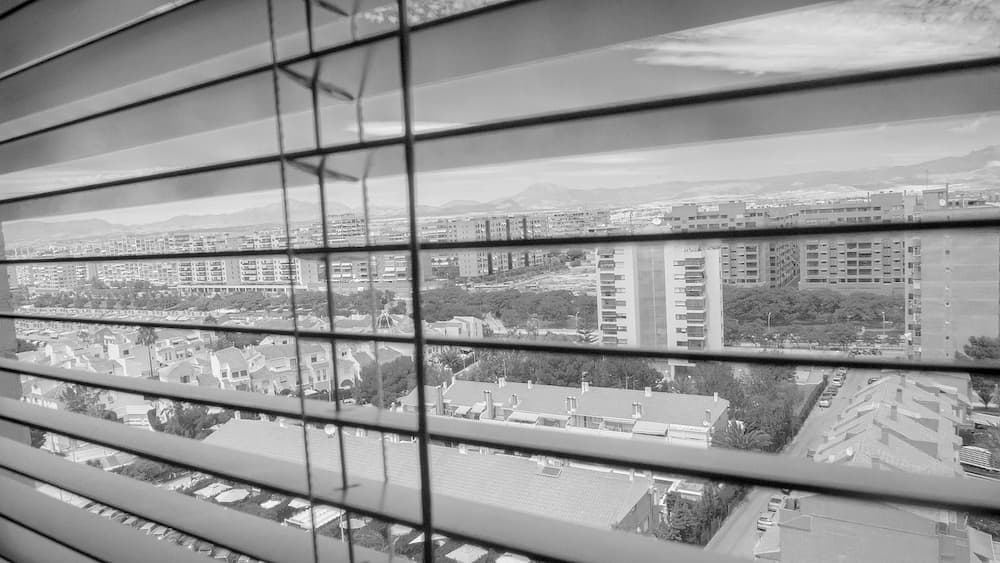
765	521
825	401
872	380
221	553
204	548
775	502
171	536
147	527
837	382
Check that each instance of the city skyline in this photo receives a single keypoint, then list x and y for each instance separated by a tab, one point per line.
848	150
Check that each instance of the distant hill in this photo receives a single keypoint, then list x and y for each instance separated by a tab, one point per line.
980	168
27	231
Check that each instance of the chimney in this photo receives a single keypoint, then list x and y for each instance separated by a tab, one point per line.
899	394
462	449
708	417
893	412
513	399
715	397
501	381
584	387
647	392
529	385
488	399
636	410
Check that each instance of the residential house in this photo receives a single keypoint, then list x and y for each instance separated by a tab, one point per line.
598	499
230	367
899	422
674	418
822	528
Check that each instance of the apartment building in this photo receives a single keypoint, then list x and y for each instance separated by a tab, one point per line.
487	262
644	414
952	277
573	222
53	277
660	296
858	262
745	263
953	289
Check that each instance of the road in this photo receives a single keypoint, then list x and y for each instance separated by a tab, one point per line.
738	533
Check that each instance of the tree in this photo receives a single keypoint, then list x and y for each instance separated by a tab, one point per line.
211	321
150	471
398	378
742	437
38	437
717	377
25	346
982	348
86	401
192	421
683	523
684	384
147	338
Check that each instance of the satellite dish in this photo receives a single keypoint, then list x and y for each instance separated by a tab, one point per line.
330	430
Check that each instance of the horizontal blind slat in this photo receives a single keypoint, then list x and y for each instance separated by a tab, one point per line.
232	529
715	463
917	92
21	545
454	517
95	536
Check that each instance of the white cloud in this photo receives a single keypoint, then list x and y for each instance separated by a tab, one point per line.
839	37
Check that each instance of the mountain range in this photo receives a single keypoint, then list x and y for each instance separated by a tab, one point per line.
977	169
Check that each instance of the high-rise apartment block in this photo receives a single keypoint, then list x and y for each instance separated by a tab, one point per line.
953	280
660	296
486	262
745	263
856	262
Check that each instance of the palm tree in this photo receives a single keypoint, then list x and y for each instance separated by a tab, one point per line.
742	437
147	338
211	321
684	384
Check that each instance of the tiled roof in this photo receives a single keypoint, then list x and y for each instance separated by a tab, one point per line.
606	402
275	351
179	370
582	496
829	529
233	358
895	423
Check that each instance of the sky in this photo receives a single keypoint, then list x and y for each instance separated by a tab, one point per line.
835	37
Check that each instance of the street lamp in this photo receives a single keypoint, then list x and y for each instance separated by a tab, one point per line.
883	324
769	321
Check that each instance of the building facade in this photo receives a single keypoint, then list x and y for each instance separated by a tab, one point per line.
660	296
